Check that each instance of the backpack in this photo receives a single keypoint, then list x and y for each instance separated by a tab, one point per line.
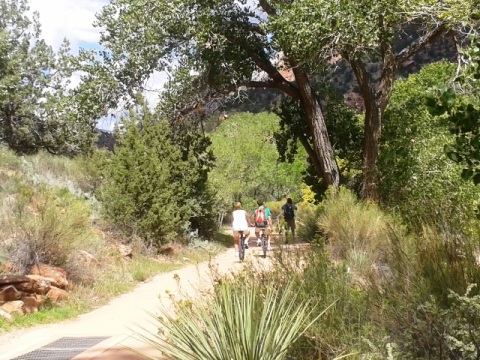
288	211
260	217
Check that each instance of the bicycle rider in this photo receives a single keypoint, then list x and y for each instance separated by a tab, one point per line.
267	226
241	220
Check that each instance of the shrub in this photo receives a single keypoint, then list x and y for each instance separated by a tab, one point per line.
427	269
236	322
155	187
316	279
352	227
46	227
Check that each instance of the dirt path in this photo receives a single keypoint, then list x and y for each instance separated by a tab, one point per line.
120	321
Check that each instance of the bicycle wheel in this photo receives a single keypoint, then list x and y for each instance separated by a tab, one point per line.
241	248
264	245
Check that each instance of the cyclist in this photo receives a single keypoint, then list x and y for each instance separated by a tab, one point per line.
240	222
263	219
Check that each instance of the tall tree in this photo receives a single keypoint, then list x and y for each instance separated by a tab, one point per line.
153	185
226	44
39	106
363	31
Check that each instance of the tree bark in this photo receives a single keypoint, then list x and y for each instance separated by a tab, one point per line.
374	109
326	164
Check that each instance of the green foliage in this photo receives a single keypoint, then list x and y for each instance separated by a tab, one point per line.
155	184
45	216
463	318
215	55
417	178
239	320
38	107
247	165
426	269
323	28
462	111
387	33
344	129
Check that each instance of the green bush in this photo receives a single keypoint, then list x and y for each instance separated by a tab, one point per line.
316	279
418	181
426	269
155	185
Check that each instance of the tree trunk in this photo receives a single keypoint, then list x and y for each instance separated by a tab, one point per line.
373	122
376	101
326	164
373	117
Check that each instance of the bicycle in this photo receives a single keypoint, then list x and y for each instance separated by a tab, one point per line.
241	245
263	239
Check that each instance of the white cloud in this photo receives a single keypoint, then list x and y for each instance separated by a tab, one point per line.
71	19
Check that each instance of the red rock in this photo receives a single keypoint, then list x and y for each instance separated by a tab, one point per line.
59	275
9	293
56	294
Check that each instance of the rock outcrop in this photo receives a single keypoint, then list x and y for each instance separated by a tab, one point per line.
25	294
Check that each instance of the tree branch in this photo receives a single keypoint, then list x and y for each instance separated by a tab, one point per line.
261	60
417	45
269	9
268	85
362	76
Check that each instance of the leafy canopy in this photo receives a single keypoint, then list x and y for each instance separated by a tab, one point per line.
418	180
39	106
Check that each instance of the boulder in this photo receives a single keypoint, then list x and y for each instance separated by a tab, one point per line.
87	259
55	294
38	285
57	274
9	293
13	279
5	315
31	304
13	307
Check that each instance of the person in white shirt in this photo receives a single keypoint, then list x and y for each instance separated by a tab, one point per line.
241	221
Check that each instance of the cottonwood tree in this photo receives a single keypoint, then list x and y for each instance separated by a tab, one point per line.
228	46
361	32
39	106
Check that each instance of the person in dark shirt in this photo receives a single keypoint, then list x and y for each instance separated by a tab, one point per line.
288	210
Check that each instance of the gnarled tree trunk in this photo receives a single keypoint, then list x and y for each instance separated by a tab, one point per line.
325	163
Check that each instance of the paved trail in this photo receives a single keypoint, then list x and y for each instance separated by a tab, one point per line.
123	318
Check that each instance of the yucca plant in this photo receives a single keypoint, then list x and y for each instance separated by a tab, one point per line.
239	321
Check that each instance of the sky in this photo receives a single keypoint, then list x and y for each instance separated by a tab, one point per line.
73	19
